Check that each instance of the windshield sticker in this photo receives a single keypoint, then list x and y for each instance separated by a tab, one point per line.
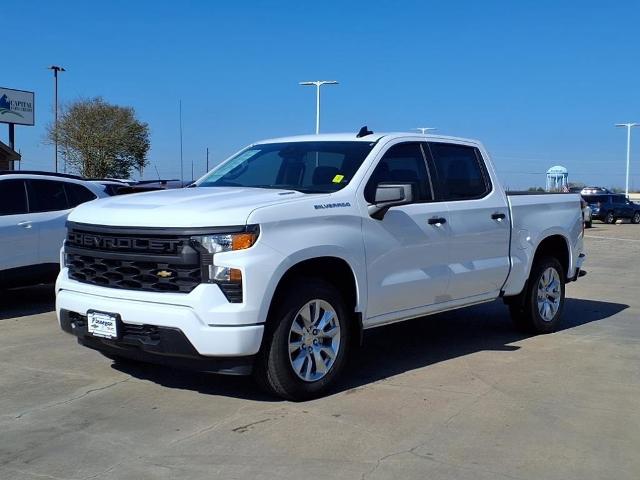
338	178
332	205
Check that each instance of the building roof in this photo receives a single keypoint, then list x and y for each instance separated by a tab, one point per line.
8	153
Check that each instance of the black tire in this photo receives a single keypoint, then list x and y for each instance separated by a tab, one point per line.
636	217
609	218
274	370
524	310
588	224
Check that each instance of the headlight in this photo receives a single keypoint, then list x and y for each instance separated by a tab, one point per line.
226	242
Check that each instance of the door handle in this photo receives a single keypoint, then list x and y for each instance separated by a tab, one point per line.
498	216
437	221
25	224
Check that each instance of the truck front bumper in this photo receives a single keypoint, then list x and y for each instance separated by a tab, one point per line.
158	332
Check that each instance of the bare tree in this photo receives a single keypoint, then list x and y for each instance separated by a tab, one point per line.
99	140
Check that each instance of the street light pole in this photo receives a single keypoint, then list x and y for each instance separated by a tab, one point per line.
56	69
629	126
318	84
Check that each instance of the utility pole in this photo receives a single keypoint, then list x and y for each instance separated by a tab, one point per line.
318	84
629	126
56	69
181	164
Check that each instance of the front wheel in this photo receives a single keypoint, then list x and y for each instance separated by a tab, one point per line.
635	218
305	349
540	308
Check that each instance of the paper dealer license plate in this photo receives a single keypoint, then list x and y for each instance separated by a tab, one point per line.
102	324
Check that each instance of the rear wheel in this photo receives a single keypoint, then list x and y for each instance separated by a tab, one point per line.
306	348
539	308
635	218
609	218
588	224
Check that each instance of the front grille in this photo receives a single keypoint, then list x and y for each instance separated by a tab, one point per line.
132	259
133	274
147	259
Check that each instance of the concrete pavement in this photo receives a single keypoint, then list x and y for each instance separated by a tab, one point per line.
454	396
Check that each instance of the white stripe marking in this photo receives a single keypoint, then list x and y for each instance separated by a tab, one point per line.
613	238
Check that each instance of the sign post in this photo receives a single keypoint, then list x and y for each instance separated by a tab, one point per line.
17	107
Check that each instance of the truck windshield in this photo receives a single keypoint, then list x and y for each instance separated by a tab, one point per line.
308	167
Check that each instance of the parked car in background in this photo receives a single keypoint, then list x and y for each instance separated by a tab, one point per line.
586	213
609	207
33	211
112	186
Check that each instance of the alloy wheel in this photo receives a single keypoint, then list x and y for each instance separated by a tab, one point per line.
314	340
549	294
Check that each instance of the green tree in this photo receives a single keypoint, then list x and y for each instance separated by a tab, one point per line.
99	140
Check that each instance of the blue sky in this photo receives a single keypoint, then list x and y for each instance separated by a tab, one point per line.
540	83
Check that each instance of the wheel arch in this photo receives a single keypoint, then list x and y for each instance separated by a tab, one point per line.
331	268
556	246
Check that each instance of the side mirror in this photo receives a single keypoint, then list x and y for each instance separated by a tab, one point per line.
390	195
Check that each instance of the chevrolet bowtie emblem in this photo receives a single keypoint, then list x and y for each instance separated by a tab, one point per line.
164	274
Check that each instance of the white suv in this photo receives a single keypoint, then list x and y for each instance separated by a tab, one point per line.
33	210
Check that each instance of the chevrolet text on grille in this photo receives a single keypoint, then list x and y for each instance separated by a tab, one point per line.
115	243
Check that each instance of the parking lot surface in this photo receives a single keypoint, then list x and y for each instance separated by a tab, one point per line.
459	395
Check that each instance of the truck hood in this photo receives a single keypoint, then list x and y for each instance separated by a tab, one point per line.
186	207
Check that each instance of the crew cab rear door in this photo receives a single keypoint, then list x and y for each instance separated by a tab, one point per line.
478	220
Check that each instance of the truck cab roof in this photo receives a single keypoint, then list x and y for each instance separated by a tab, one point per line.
373	137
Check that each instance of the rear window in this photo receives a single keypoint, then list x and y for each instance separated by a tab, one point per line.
47	196
13	197
593	199
77	194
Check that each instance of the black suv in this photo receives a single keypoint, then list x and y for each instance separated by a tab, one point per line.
608	207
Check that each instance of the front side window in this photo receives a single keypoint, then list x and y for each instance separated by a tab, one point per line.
460	174
402	163
13	197
309	167
47	196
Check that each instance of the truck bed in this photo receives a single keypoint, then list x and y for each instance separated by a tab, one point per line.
533	218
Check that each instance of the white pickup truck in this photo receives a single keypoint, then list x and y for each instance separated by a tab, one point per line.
277	260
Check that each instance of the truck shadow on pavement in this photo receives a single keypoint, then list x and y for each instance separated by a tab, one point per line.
27	301
395	349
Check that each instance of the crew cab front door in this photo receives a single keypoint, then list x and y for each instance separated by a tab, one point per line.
478	220
407	251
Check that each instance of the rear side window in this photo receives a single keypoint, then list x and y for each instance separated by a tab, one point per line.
77	194
402	163
47	196
460	172
13	197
